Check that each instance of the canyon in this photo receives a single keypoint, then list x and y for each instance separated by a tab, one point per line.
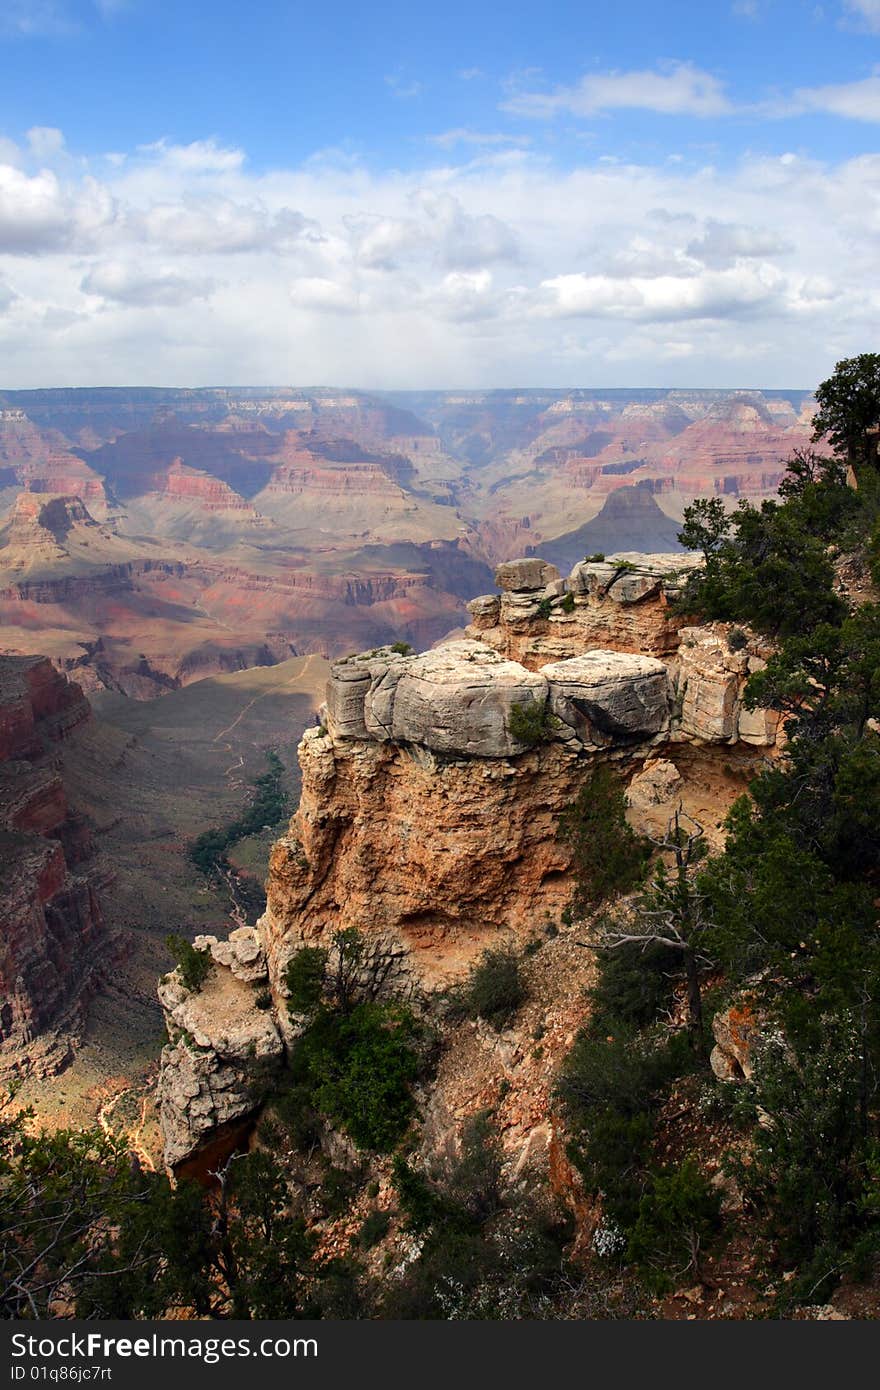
150	538
428	821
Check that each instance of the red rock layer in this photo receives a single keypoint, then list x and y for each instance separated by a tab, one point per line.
53	938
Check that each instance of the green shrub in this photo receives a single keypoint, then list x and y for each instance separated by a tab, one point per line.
567	604
597	558
304	978
401	648
608	857
357	1069
634	983
339	1187
545	607
494	989
530	724
193	966
736	640
678	1216
375	1227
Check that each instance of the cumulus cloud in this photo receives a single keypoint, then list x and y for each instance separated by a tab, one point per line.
681	89
197	268
38	214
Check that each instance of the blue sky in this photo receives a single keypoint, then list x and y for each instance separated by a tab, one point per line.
465	194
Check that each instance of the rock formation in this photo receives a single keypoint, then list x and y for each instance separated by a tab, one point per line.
429	815
54	943
223	1050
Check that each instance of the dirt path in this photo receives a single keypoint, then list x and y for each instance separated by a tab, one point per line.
272	690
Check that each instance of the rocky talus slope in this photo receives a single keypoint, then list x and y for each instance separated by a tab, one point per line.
54	944
428	825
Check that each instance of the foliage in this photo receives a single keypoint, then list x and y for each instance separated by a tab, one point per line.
494	989
83	1225
357	1068
608	857
809	1172
762	568
401	648
849	406
484	1254
194	966
304	978
678	1216
375	1227
268	806
567	604
530	723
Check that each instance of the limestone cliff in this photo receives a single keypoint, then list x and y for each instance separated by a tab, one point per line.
54	943
428	817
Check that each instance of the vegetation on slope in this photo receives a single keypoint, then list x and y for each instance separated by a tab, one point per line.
787	918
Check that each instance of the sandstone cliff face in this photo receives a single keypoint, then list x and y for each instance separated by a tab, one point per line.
430	826
54	942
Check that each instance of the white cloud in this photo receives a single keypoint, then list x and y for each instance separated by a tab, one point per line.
857	101
679	89
727	294
323	295
45	142
38	214
461	135
199	157
140	287
868	11
31	19
473	273
723	243
405	89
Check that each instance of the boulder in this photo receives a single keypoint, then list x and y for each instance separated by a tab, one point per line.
458	697
632	586
351	682
240	953
738	1036
524	576
591	577
658	781
485	610
758	727
709	684
609	696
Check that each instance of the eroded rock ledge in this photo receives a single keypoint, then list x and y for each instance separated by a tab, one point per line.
426	823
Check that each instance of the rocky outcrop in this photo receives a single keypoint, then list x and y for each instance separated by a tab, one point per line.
223	1048
711	675
54	943
740	1033
620	604
433	786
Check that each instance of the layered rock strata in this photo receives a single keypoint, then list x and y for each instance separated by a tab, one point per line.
54	943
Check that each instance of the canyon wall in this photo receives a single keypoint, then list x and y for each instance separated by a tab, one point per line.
54	943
